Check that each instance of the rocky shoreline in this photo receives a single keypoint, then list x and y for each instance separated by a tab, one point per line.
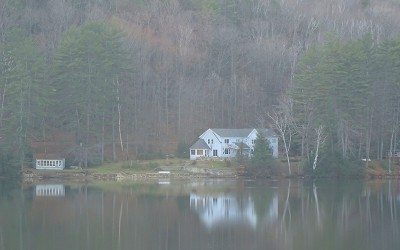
32	176
35	176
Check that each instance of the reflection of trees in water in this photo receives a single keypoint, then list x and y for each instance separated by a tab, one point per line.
6	186
262	199
296	216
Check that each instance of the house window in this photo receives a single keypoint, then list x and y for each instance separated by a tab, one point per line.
199	151
227	151
212	141
252	141
192	152
226	140
208	141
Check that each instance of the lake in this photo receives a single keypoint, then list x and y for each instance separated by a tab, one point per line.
201	214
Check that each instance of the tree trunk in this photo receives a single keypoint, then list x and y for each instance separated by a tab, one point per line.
77	132
287	154
113	139
119	117
3	96
127	146
102	139
368	141
391	150
319	142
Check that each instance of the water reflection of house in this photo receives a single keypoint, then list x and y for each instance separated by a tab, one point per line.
273	212
223	209
214	210
50	190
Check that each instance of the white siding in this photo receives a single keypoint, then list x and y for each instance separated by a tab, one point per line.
273	142
213	141
50	164
229	144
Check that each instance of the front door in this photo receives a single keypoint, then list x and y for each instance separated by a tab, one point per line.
215	152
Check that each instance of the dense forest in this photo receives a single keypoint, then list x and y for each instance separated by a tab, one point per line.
102	80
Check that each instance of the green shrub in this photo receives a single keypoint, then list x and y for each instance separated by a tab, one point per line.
262	155
152	165
133	165
262	163
241	159
333	164
272	167
182	151
151	155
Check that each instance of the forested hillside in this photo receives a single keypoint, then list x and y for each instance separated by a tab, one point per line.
113	79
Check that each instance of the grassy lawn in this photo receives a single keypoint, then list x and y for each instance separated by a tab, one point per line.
154	165
137	165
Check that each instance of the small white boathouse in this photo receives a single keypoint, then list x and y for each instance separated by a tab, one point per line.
49	161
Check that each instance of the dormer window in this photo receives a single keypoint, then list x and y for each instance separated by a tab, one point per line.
208	141
226	140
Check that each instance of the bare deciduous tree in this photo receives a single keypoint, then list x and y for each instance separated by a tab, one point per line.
282	121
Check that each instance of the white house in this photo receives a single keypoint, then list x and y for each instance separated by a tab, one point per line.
225	143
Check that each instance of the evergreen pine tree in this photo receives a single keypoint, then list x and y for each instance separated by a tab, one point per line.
262	155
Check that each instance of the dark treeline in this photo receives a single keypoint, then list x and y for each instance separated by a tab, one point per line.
346	102
114	79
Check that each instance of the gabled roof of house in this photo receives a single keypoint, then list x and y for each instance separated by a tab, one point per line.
242	132
232	132
200	144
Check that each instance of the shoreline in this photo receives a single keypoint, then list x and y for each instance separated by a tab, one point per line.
33	176
37	176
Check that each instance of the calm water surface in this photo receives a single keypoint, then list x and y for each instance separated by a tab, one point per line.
202	215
